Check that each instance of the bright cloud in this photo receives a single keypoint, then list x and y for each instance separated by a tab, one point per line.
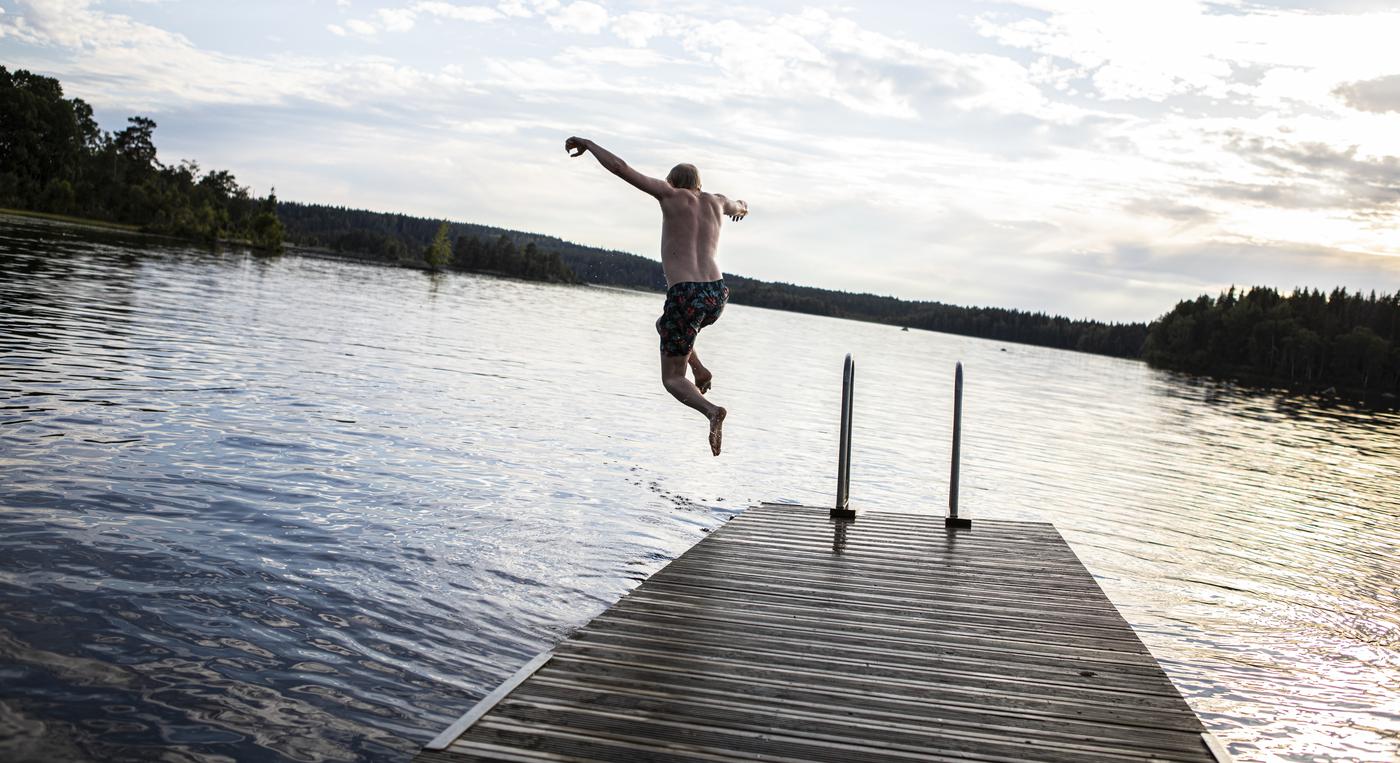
396	19
1092	158
468	13
360	27
581	16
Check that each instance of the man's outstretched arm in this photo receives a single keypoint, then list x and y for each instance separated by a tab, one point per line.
610	162
734	209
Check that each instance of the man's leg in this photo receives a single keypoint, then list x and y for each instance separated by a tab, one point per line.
682	389
703	377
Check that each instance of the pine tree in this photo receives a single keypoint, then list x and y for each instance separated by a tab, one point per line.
439	253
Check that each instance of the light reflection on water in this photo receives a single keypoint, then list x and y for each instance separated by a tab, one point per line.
311	510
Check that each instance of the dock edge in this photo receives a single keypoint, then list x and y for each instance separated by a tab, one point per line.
449	735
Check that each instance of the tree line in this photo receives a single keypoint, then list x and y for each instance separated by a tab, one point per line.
1122	340
1307	339
57	160
421	242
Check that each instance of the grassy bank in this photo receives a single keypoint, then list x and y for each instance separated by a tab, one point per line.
71	220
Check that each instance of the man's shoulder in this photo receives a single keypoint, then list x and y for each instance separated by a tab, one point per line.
684	197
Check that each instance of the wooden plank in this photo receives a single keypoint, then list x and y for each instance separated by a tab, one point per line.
836	708
830	725
925	571
786	637
994	651
755	735
1044	705
835	589
915	620
1011	564
874	654
851	537
876	538
871	707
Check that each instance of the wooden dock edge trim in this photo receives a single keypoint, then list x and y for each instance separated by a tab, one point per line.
933	517
1217	749
449	735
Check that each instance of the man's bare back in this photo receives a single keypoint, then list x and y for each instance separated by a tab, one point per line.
696	295
690	223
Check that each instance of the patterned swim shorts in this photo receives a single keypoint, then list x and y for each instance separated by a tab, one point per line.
690	306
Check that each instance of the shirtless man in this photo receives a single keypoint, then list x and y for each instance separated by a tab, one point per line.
695	293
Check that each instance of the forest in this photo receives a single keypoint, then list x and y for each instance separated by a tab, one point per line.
57	160
1307	340
421	242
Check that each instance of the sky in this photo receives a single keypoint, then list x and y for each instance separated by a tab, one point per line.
1091	158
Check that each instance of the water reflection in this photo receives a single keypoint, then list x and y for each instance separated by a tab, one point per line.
303	509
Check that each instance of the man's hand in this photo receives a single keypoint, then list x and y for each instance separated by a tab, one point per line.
578	146
741	212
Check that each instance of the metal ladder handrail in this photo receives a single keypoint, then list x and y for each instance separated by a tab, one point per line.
843	455
952	520
843	510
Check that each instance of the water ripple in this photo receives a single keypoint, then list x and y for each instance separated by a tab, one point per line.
308	510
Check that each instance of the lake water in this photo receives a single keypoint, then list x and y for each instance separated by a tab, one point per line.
303	509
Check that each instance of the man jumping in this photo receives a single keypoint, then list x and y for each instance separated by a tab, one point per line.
695	293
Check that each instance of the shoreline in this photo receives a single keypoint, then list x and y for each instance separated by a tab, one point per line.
317	252
71	220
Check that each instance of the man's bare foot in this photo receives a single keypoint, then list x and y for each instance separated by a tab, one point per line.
703	378
716	429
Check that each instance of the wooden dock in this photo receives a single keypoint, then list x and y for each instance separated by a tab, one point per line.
788	636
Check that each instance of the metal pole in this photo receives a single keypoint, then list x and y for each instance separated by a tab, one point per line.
849	388
843	455
952	519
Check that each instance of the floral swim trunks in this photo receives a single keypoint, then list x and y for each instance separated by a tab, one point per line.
690	306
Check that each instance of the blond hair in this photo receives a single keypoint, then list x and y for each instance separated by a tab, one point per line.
684	176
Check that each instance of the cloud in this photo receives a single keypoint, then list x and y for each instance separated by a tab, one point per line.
639	27
1318	175
396	19
1378	95
404	19
632	58
581	16
1214	266
454	12
360	27
1119	49
514	9
815	56
1168	48
1279	195
1171	210
526	8
73	24
116	60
